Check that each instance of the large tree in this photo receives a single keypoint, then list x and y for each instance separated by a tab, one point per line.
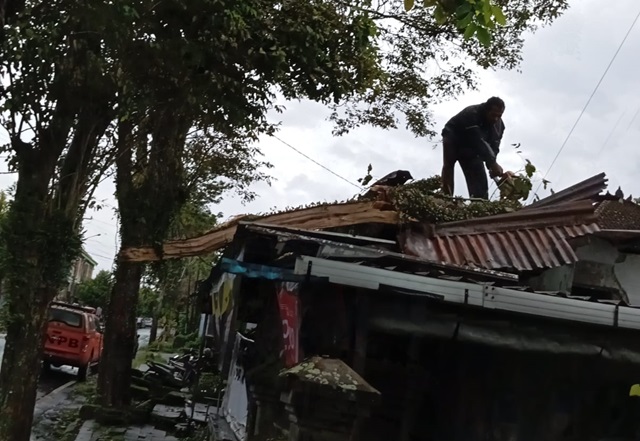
57	101
213	69
369	61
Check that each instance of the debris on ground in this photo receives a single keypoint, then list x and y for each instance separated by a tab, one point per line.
162	411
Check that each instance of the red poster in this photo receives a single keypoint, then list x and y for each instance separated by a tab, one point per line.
288	303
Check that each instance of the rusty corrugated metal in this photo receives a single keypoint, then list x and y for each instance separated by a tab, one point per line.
570	213
524	249
587	189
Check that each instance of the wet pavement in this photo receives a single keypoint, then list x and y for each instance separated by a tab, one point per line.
56	377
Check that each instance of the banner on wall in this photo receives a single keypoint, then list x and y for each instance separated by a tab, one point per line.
222	308
289	306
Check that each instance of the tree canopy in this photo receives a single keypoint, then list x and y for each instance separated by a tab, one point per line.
425	57
96	292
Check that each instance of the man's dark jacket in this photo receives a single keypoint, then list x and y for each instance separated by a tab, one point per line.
473	135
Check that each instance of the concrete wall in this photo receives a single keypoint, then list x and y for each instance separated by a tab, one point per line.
554	279
602	265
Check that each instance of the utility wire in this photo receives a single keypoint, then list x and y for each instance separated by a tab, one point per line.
317	163
611	133
635	115
615	55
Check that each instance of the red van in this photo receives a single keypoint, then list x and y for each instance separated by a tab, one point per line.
74	338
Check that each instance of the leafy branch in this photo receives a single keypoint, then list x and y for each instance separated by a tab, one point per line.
472	18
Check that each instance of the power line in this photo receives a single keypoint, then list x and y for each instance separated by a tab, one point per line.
317	163
635	115
615	127
615	55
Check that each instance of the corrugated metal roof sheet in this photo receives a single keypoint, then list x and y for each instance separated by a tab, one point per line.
587	189
523	249
570	213
525	240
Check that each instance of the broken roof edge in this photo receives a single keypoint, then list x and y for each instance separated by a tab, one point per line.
360	243
316	217
569	213
347	213
587	189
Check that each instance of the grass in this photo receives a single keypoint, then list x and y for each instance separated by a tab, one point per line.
142	356
160	346
86	389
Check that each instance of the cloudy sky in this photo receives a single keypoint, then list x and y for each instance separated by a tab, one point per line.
562	65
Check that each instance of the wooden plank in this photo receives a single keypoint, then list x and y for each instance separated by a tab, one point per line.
314	218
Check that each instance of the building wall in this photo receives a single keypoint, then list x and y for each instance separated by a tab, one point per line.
554	279
235	404
601	264
81	271
467	392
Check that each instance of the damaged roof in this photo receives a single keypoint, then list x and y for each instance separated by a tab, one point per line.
588	189
526	240
533	238
521	249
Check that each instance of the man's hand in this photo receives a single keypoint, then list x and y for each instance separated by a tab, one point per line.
495	171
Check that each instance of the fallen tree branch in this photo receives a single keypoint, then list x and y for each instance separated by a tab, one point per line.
314	218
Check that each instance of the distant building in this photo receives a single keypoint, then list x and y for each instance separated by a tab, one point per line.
81	271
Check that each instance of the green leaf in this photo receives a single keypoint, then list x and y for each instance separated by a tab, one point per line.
499	15
463	10
529	169
439	14
408	4
483	36
464	22
486	8
470	31
430	3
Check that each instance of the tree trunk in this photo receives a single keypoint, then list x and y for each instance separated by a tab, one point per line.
114	382
21	368
146	210
40	245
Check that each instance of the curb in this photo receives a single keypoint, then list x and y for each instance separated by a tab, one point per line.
51	396
60	389
47	402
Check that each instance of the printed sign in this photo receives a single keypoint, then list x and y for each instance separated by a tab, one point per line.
222	306
289	305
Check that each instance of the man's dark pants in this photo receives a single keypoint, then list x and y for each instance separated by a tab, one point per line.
472	167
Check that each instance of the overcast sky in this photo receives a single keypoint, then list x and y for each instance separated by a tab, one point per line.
562	65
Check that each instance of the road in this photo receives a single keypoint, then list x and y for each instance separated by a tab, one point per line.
56	377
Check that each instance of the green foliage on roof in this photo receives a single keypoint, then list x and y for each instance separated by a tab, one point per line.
424	201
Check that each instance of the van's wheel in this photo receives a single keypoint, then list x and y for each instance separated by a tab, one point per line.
82	373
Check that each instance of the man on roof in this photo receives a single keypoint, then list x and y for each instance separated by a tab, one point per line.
472	138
